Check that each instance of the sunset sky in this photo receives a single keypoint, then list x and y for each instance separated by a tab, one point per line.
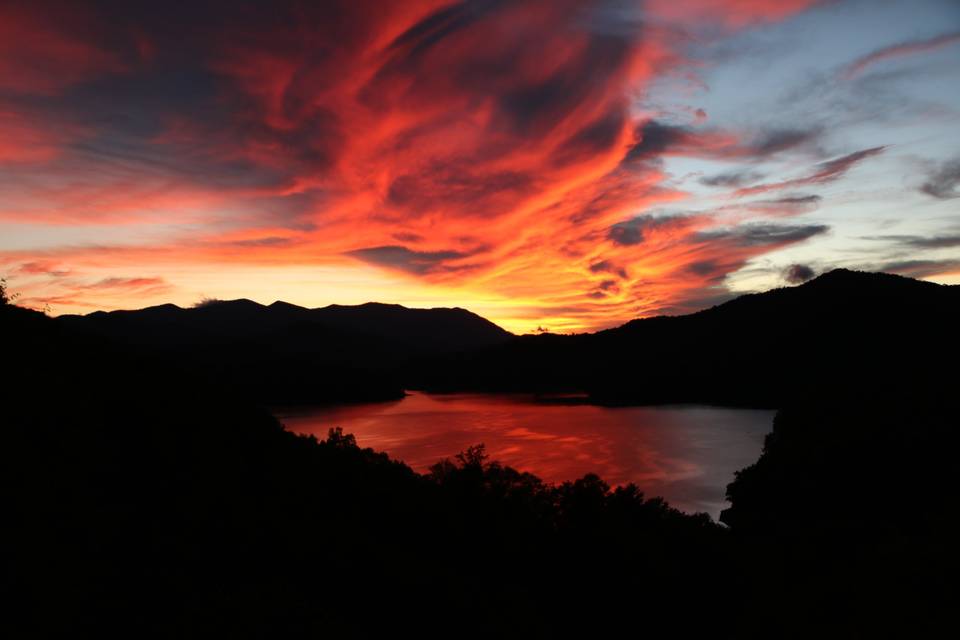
554	163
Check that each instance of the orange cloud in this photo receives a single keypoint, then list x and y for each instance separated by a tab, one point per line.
489	152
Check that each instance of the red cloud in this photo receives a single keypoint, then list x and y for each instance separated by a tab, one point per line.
25	140
43	52
729	13
43	268
480	149
901	50
79	293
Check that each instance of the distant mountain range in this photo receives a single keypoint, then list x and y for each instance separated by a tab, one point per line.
144	487
414	331
283	353
754	350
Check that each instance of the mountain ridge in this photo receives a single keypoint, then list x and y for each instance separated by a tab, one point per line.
474	329
755	350
836	277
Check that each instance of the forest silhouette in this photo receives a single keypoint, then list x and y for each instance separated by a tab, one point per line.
149	493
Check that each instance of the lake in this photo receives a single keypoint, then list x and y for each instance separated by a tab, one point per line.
686	454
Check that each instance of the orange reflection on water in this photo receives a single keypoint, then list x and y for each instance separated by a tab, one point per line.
685	454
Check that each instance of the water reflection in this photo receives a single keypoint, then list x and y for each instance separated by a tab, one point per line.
685	454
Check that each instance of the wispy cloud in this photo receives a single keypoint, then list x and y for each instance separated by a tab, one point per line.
823	173
942	183
920	268
490	151
941	241
901	50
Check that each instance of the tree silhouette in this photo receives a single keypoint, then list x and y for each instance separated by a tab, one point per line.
474	456
145	490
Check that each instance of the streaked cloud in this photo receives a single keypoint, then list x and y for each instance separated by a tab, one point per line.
900	50
822	173
511	157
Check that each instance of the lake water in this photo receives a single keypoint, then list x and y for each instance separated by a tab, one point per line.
687	454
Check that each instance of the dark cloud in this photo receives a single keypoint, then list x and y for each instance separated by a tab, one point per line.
772	234
655	138
822	173
172	107
604	289
753	235
404	259
137	104
409	52
608	285
404	236
703	267
538	108
207	301
777	140
605	266
627	233
785	206
172	161
471	190
900	50
732	178
594	138
943	182
794	200
631	232
443	23
921	268
945	241
798	273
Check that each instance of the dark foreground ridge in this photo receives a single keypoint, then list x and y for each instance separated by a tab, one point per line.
756	350
143	499
283	353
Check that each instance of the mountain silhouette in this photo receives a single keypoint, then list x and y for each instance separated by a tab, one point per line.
145	490
146	496
413	330
755	350
758	349
286	354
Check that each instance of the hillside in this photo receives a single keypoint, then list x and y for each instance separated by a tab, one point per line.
283	353
142	498
408	330
758	349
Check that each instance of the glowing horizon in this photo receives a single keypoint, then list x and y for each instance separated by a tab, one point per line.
544	163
